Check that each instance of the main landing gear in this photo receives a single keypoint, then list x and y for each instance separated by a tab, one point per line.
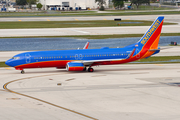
84	69
90	69
22	72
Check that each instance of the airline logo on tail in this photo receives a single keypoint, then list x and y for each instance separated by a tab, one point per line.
150	32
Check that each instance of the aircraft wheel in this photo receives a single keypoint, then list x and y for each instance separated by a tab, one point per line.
90	70
22	72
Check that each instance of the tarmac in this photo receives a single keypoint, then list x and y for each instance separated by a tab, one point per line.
84	31
128	92
168	18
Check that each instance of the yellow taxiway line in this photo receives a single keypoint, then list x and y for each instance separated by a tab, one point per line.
5	87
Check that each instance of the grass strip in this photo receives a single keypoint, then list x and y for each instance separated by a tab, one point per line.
150	60
71	24
159	60
2	64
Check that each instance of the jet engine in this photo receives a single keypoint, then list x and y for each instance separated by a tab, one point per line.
75	66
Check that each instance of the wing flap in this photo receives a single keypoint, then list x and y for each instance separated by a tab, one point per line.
90	62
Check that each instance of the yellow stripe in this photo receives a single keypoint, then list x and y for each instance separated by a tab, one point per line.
8	68
159	65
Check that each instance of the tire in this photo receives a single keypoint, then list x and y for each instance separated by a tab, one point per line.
90	70
22	72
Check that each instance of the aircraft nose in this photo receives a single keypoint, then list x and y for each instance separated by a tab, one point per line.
8	62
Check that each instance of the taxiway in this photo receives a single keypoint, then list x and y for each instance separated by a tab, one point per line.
128	92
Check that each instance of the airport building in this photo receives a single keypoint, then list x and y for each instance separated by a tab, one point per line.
169	1
71	4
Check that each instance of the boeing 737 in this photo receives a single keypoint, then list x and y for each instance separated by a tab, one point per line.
81	59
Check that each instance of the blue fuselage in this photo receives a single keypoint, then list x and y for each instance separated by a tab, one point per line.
69	55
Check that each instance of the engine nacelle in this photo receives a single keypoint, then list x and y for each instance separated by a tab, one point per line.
74	66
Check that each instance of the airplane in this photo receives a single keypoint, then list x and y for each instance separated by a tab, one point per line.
81	59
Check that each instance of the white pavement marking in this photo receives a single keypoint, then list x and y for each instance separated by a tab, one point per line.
79	31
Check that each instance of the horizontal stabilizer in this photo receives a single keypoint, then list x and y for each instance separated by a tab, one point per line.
152	50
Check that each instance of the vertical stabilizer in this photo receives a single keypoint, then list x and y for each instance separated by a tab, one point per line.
150	39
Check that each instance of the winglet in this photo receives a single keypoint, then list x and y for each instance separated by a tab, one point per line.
86	45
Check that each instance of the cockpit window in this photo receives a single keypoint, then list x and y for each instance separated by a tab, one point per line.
15	58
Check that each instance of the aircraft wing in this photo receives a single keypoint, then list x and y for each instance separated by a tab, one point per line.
90	62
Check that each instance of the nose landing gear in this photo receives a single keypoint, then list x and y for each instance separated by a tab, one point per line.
22	72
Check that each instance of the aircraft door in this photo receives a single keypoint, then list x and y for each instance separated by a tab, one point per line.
28	58
80	56
76	56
